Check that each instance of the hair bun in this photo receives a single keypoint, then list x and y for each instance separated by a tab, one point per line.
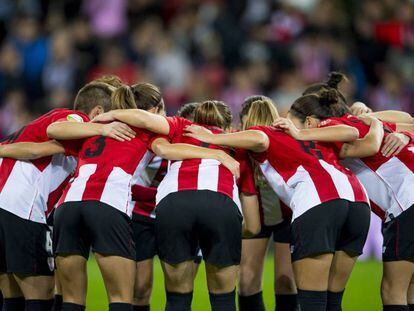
334	78
328	97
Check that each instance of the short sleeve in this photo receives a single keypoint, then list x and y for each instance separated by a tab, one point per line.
71	116
154	138
177	126
329	122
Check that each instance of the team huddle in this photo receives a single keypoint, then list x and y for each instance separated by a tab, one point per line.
117	177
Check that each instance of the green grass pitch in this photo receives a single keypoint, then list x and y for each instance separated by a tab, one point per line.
362	293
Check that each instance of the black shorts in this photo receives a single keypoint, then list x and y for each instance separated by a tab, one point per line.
399	237
25	246
280	232
143	229
187	220
78	226
337	225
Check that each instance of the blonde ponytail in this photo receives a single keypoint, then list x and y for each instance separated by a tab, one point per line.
123	98
261	112
207	113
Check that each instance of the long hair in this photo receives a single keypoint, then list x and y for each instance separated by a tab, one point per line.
214	113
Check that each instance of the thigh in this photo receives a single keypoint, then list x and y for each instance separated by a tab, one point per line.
355	229
70	235
119	282
317	231
219	228
221	279
284	277
110	230
312	273
341	268
9	286
144	278
28	247
72	275
36	287
178	277
175	222
396	280
144	239
251	265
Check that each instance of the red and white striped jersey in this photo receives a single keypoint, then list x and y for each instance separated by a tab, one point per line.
196	174
106	169
272	210
144	187
28	188
304	174
389	181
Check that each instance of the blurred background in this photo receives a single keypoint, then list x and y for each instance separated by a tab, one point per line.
209	49
195	50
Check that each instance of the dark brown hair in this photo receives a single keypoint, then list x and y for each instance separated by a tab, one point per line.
187	111
93	94
147	96
322	105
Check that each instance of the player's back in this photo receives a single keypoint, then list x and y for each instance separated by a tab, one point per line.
105	170
25	185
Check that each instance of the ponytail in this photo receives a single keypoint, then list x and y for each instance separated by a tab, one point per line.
123	98
261	112
147	96
207	113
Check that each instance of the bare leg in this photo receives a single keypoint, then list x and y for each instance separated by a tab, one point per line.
179	278
284	277
143	282
119	282
36	287
251	266
9	286
396	281
72	274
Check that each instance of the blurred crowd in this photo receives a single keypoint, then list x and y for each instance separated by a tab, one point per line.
200	49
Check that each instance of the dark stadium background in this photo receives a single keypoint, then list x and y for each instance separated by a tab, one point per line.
196	50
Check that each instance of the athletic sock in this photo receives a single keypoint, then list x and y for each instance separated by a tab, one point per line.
120	306
14	304
251	302
334	301
395	308
178	301
68	306
39	305
57	304
142	308
223	302
411	307
312	300
287	302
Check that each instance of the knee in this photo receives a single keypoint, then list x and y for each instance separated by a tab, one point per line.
392	293
250	282
143	289
285	284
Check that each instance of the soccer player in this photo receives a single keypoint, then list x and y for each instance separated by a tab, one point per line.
144	192
325	199
275	221
26	260
95	207
389	181
197	205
